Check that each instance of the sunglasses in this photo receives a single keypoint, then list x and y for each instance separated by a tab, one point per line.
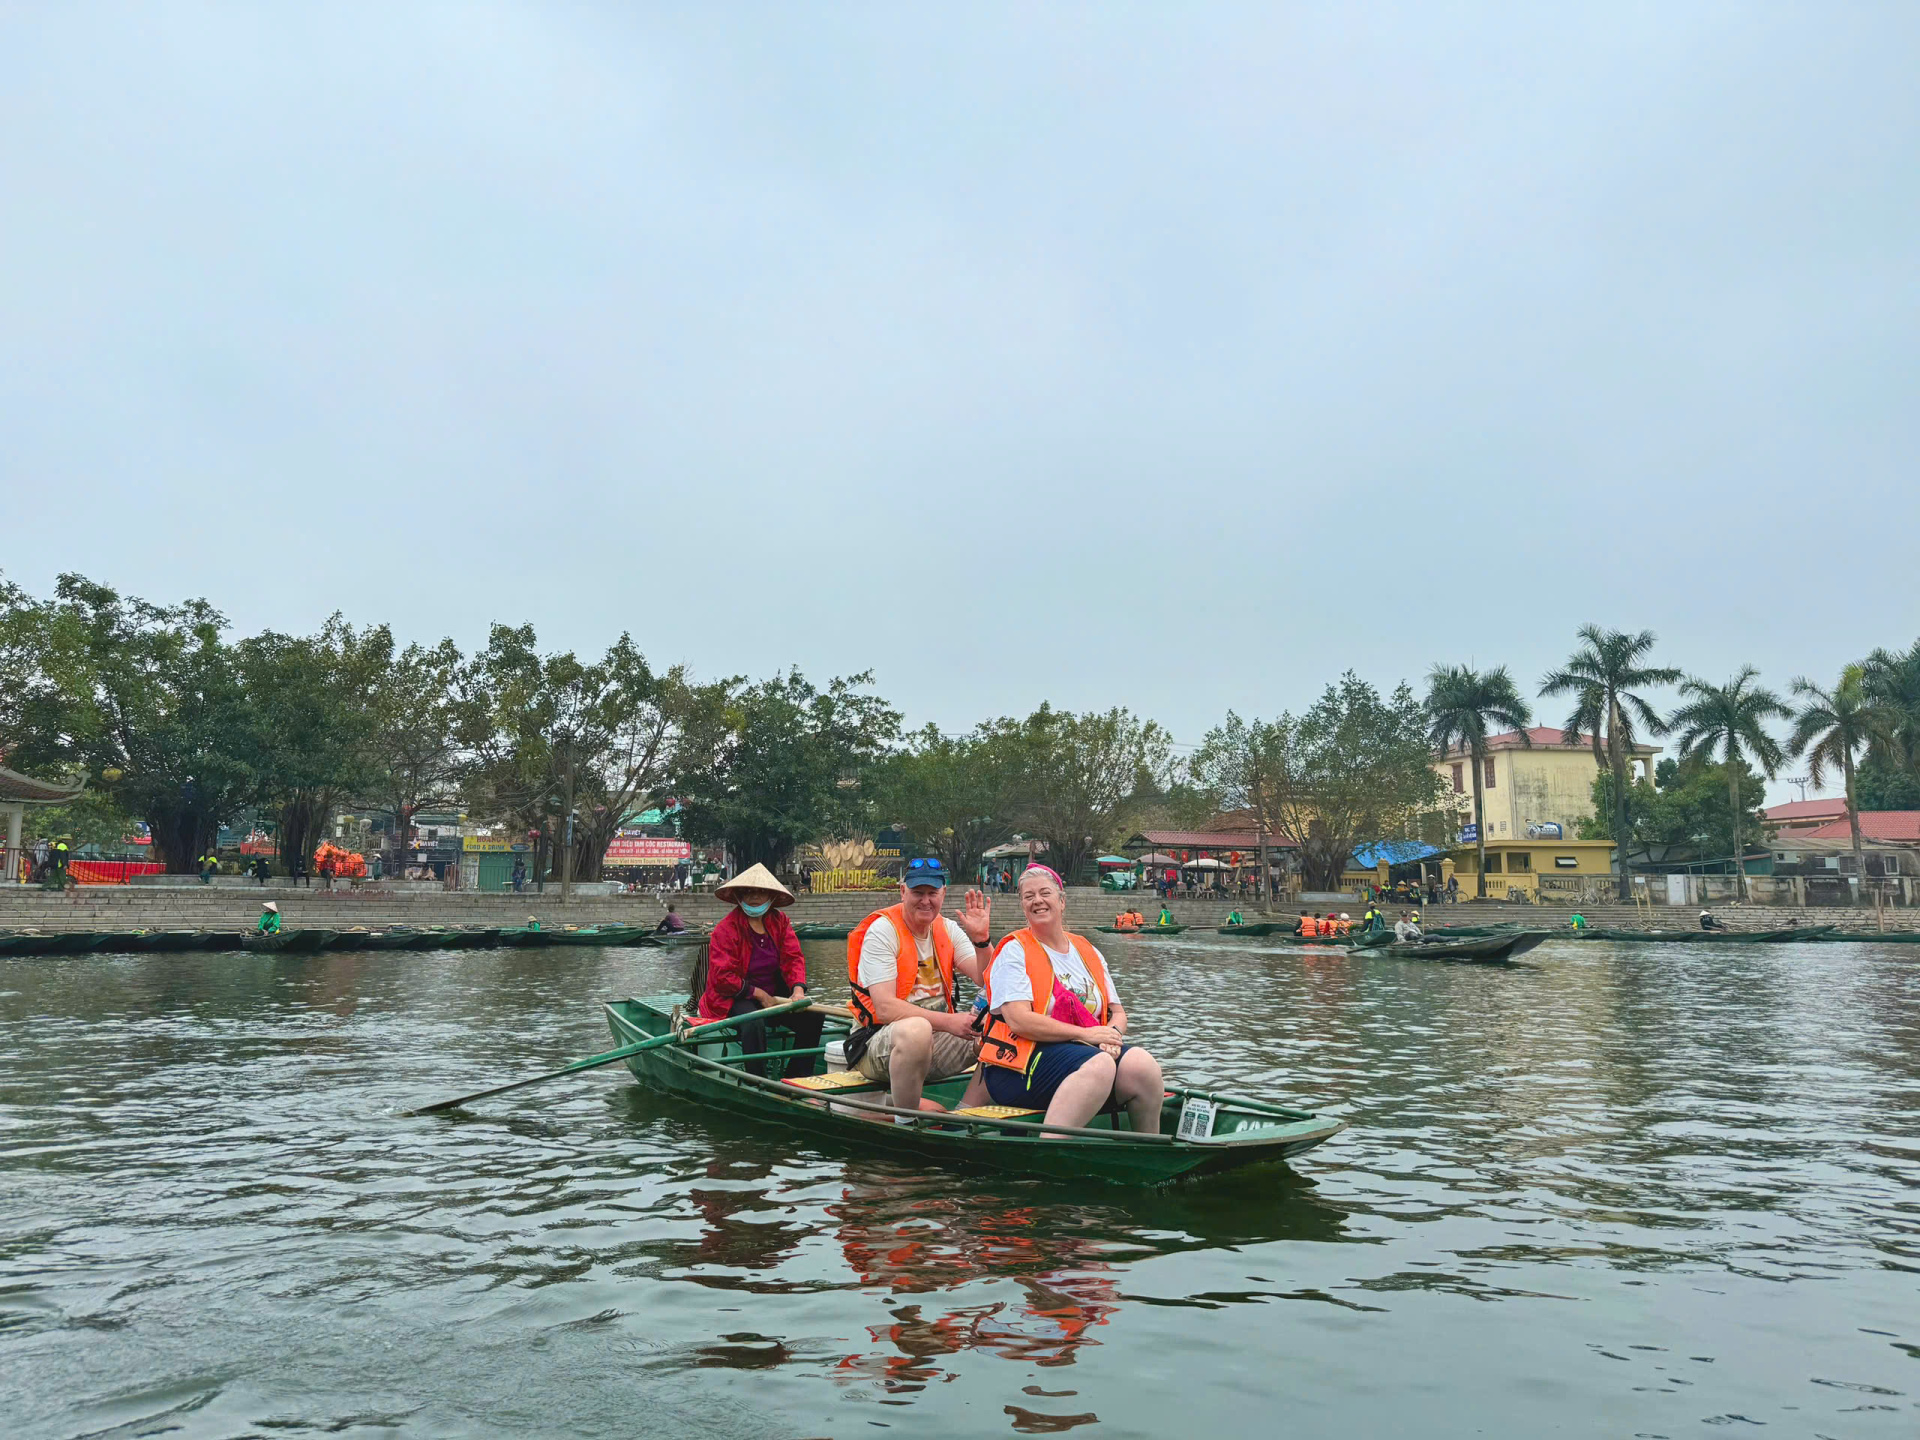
933	865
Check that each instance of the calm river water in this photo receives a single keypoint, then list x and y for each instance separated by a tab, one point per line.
1613	1191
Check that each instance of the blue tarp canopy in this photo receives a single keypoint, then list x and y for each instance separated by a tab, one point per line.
1394	852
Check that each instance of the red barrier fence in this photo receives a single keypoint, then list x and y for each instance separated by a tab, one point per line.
111	872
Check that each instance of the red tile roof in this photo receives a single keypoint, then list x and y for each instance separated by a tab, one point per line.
1882	825
1544	736
1806	812
1887	826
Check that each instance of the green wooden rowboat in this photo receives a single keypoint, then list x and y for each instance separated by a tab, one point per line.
28	942
1254	930
399	937
288	942
1484	950
1242	1132
1869	937
169	942
822	932
1716	937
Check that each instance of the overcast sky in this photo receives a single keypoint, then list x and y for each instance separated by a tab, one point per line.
1177	357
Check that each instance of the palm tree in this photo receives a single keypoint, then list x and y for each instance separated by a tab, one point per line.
1732	719
1890	680
1603	676
1460	702
1830	729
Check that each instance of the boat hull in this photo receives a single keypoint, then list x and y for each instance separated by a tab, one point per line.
1487	950
687	1073
288	942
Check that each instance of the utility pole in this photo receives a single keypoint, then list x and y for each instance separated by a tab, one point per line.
566	864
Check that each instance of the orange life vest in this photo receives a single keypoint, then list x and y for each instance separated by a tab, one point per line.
1326	926
1000	1046
1343	927
1307	927
907	973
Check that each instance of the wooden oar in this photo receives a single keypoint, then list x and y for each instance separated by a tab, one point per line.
592	1062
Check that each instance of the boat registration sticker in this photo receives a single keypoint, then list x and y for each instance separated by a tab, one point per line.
1196	1118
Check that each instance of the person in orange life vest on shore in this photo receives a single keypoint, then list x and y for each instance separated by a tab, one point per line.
1033	1054
901	962
754	961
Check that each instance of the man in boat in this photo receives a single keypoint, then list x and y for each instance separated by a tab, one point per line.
1406	929
269	920
1709	922
1166	916
1233	918
901	962
670	923
1056	1031
1344	925
1125	921
1309	927
533	922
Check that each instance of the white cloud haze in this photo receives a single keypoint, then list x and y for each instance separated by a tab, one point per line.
1178	357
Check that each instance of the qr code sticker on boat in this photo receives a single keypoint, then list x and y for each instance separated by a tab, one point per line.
1196	1119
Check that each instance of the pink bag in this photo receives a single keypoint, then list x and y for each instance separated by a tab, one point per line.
1067	1008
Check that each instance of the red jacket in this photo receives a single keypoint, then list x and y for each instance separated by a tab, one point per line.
728	950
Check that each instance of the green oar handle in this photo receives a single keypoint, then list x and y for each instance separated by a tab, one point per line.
672	1037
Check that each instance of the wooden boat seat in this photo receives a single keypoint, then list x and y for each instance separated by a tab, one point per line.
835	1080
997	1112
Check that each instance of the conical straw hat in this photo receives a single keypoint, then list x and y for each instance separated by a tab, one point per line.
756	877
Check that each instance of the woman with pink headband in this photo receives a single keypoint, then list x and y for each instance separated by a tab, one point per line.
1056	1032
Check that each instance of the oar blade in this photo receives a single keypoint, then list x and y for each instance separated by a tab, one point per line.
594	1062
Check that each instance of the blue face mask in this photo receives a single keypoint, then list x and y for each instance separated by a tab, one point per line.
756	911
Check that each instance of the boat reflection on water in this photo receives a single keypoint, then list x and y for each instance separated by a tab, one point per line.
1031	1271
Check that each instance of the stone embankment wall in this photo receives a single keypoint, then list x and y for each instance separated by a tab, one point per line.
191	906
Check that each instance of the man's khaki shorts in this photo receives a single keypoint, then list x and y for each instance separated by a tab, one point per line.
952	1055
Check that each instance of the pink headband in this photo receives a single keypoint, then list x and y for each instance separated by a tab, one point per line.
1047	869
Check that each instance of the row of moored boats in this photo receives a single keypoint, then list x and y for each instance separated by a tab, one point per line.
309	940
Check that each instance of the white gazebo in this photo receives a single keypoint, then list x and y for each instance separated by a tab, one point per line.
17	792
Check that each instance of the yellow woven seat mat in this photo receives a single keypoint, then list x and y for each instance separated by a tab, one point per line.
837	1080
996	1112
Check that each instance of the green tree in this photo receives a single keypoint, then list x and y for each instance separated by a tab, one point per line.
1732	719
1461	704
1883	785
1078	775
768	767
1832	729
414	759
954	796
1604	677
1685	819
1356	766
1890	681
307	700
146	699
1243	764
569	747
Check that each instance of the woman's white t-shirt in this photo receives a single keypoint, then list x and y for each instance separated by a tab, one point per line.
1008	978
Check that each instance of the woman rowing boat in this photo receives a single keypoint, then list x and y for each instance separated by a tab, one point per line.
754	961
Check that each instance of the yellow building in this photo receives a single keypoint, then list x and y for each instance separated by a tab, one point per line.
1541	870
1528	788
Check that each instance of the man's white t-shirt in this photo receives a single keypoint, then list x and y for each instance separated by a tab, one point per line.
1008	979
880	961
